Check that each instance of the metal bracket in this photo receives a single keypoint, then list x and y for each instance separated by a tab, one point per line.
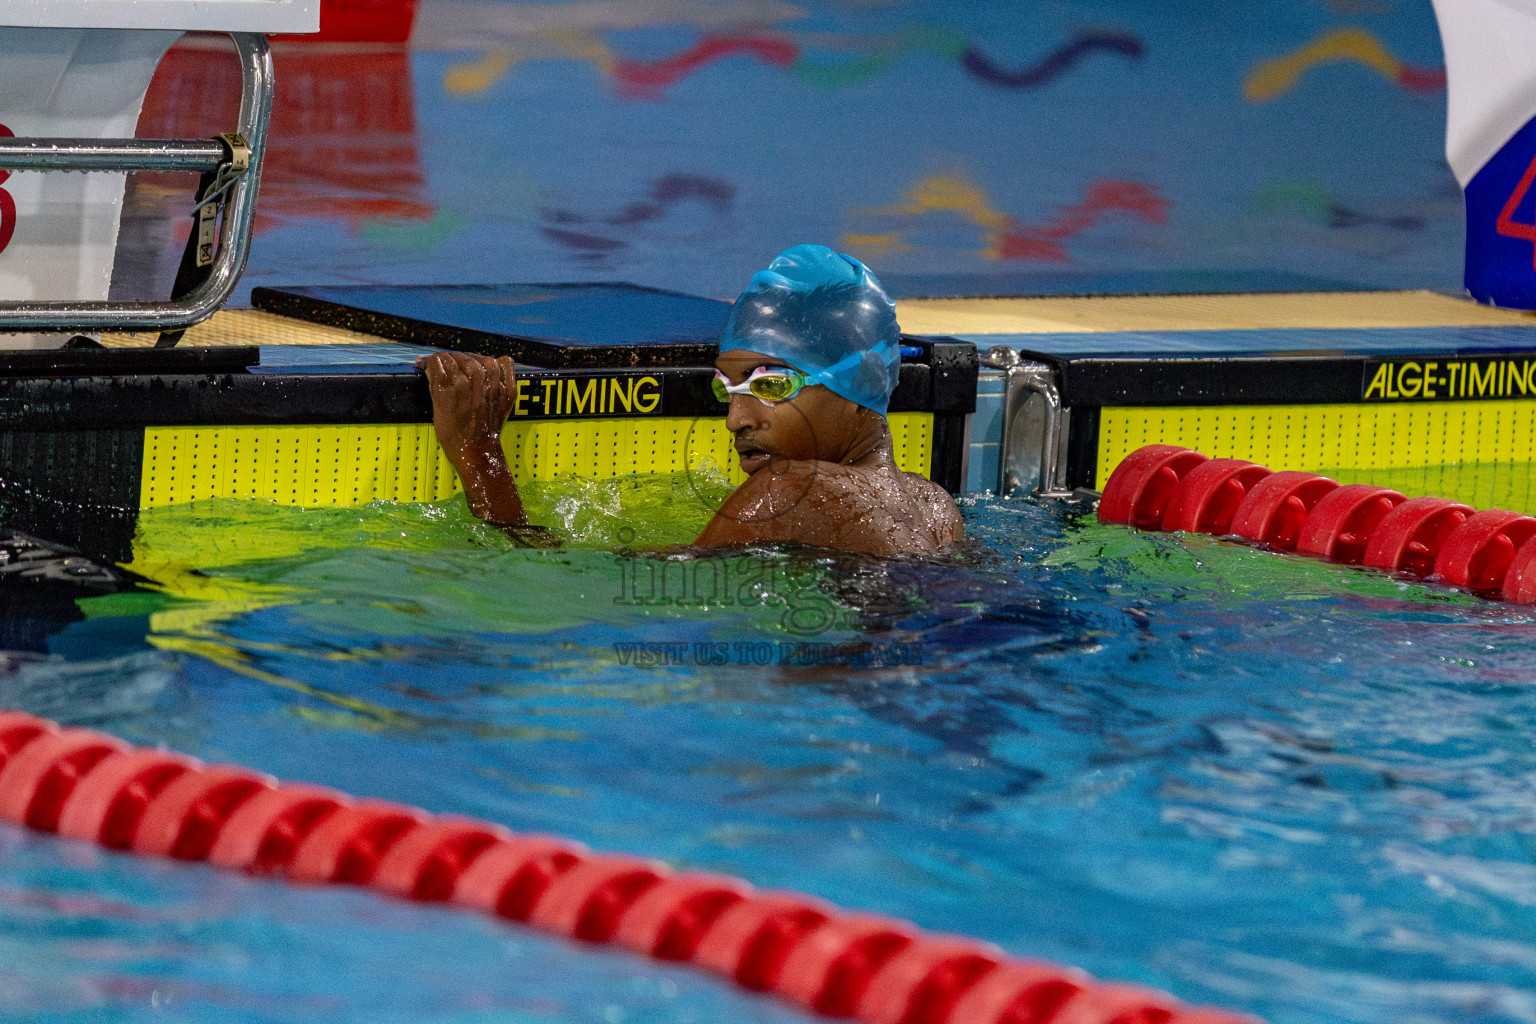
1032	455
235	160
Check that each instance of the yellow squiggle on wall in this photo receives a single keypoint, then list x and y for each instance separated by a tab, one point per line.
878	245
1273	78
583	46
937	193
475	76
472	77
952	193
1005	237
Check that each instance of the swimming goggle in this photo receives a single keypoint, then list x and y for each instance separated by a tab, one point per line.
766	385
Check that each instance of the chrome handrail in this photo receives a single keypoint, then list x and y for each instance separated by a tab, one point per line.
158	155
1032	454
110	154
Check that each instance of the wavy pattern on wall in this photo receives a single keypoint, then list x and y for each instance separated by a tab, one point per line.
650	79
1005	237
1274	78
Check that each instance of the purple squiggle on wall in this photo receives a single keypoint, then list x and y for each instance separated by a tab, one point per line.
1054	63
663	194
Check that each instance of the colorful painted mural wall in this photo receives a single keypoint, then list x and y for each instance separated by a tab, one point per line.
680	143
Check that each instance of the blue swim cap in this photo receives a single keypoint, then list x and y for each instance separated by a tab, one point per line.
825	314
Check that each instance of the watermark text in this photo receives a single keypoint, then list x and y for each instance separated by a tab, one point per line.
792	653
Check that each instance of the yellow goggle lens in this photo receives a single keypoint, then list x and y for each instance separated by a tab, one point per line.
766	385
776	387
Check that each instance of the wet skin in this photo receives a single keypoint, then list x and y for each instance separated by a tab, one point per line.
821	468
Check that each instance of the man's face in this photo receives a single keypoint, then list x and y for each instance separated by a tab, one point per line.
815	424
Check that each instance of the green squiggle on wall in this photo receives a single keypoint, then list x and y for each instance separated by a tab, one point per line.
1313	201
942	41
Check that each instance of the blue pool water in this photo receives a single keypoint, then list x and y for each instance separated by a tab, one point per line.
1297	790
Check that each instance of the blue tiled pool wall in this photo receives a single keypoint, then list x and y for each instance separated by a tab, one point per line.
986	437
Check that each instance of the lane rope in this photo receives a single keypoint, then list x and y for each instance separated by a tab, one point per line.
1166	487
89	786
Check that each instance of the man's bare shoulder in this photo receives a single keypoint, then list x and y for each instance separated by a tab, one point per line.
763	507
927	488
831	505
778	487
947	522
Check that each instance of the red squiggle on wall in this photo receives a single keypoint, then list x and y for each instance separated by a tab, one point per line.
1043	242
649	78
7	201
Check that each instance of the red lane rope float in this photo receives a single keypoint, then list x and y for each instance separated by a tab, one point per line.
1276	506
1491	553
90	786
1520	581
1478	555
1140	488
1339	527
1209	495
1409	538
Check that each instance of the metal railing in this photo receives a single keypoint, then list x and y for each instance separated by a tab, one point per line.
1032	457
235	160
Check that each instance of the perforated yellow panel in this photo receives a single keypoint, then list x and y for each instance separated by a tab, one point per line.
1477	452
356	464
294	465
546	449
912	438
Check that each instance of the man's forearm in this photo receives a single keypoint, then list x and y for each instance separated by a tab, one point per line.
489	486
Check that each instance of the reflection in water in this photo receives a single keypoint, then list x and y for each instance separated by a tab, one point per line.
343	140
342	146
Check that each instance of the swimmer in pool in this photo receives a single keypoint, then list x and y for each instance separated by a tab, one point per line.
807	364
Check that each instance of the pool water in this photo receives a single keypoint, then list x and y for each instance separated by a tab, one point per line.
1299	790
